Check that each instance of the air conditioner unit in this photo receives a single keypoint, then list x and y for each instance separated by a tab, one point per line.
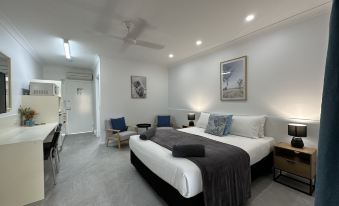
79	76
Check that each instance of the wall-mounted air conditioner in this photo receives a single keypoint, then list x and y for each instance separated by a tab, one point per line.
79	76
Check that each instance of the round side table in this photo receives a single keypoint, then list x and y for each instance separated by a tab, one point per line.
144	125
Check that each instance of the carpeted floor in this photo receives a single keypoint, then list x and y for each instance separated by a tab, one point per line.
93	174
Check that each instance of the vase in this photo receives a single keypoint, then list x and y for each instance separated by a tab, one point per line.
22	120
29	123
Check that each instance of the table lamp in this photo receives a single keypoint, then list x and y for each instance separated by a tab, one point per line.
297	131
191	116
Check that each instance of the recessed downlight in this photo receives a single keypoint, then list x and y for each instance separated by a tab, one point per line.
198	42
250	17
171	56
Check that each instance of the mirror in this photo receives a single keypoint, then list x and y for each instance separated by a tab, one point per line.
5	83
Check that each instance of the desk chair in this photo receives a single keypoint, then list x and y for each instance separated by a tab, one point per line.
51	152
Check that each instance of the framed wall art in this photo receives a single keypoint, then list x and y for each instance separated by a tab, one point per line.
233	79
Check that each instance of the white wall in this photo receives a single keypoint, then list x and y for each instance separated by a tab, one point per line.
116	98
23	66
285	74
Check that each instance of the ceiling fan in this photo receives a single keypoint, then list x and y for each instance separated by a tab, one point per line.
134	29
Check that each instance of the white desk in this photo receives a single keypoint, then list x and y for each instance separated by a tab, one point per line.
22	164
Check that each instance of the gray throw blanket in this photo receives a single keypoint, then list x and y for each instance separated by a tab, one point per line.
225	169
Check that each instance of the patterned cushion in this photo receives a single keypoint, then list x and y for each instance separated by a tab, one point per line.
216	124
229	120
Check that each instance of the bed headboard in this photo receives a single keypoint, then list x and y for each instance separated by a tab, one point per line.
275	126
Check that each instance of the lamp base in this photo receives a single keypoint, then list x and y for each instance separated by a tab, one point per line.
297	142
191	124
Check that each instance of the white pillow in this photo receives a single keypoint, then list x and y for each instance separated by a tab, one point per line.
203	120
248	126
262	126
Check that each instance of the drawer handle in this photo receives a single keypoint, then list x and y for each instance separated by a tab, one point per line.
290	161
296	152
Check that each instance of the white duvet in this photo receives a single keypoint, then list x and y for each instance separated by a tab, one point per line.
183	174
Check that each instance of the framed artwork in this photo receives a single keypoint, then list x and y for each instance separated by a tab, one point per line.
233	79
138	87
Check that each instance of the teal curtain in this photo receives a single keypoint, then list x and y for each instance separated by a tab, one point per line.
327	185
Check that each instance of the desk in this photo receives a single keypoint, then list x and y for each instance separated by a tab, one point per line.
22	164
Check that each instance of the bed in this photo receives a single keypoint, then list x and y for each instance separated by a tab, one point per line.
181	174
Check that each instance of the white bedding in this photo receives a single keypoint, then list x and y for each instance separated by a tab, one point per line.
183	174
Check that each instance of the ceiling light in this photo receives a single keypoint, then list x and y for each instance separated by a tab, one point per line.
171	56
249	17
198	43
67	50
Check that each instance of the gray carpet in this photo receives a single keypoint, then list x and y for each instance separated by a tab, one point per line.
93	174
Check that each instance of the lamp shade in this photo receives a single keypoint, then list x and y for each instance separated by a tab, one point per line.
297	130
191	116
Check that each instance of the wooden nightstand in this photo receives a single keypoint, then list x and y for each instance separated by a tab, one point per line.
299	162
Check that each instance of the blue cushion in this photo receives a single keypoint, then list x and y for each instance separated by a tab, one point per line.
119	124
216	125
164	121
229	120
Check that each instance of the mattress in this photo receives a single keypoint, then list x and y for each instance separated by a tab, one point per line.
183	174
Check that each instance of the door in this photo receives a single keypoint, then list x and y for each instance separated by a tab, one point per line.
79	106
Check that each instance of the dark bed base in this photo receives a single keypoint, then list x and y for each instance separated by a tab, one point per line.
173	197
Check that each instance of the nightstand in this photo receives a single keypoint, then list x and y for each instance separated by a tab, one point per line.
299	162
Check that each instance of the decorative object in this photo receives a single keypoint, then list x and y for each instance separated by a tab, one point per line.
164	121
191	117
297	131
233	80
25	91
216	125
27	115
229	120
138	87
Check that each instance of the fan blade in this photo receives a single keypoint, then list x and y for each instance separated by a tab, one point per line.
138	26
148	44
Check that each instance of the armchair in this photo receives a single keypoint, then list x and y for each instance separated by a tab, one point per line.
116	129
164	122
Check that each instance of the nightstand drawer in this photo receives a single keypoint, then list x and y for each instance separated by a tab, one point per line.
292	166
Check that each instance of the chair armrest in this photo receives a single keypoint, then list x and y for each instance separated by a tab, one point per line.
114	131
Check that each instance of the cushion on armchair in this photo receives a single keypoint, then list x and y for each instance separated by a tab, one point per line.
119	124
164	121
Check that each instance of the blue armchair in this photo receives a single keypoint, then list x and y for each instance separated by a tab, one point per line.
116	129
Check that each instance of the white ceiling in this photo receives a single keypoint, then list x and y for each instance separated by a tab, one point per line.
175	23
